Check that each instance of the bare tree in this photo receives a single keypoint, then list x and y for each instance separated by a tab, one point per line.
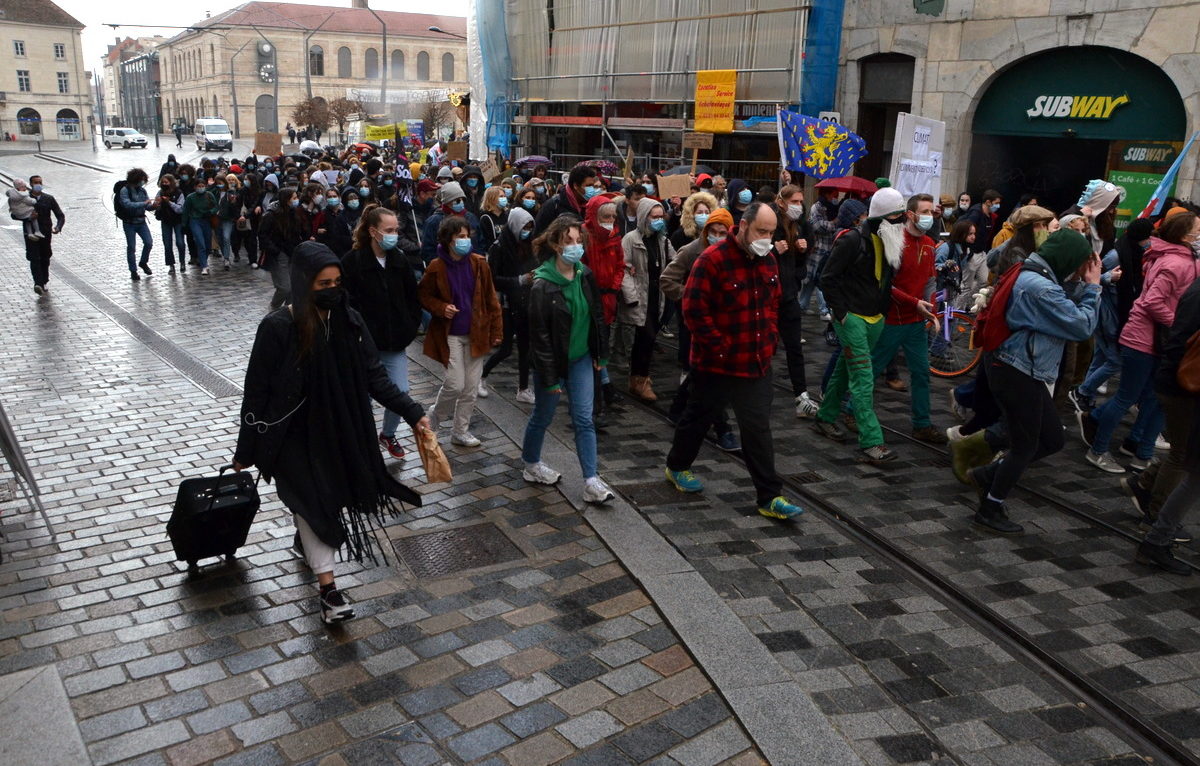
312	112
341	109
437	116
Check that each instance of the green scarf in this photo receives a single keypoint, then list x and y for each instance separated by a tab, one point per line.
576	303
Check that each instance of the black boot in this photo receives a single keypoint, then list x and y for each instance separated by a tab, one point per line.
1160	556
610	393
981	477
991	516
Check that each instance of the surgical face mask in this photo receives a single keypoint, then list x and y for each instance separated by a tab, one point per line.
795	211
38	187
462	245
658	224
607	226
649	188
487	186
924	222
333	201
529	204
472	182
526	233
573	253
1039	237
714	239
508	192
700	219
295	202
221	187
328	298
744	196
996	207
502	202
590	192
761	247
388	241
364	190
170	164
184	177
352	204
458	207
946	213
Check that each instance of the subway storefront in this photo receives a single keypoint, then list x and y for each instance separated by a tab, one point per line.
1052	121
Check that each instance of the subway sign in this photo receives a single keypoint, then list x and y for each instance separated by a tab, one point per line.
1076	107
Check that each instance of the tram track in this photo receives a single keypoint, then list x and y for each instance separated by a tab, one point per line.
1147	738
57	160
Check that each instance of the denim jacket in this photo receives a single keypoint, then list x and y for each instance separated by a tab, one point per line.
1042	318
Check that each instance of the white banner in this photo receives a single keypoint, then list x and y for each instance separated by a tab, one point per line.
371	96
918	155
914	176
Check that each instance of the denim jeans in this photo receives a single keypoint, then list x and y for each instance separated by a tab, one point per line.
808	289
202	234
1106	362
1137	387
579	387
173	239
396	364
132	232
225	239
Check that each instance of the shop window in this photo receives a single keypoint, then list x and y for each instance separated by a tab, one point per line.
316	61
344	62
422	66
448	67
372	64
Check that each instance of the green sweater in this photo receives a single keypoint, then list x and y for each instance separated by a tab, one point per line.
199	204
581	317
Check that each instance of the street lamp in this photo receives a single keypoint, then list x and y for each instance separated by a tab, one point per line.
441	31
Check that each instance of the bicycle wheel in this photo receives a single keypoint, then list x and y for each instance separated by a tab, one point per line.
958	356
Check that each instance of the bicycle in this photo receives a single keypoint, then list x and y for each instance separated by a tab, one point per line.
952	349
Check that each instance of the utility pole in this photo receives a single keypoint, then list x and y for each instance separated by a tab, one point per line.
307	60
383	61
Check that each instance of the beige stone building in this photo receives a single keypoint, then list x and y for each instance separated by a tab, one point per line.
1037	95
251	65
46	94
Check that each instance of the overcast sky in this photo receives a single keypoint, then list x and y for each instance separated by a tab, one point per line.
97	37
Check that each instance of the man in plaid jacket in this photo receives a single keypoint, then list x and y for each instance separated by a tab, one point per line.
731	307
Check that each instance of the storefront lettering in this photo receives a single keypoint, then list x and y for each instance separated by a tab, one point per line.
1149	154
1076	107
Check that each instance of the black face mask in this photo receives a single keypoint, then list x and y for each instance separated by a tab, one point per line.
329	298
895	221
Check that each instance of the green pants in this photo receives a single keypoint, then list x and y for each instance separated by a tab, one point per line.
914	341
854	371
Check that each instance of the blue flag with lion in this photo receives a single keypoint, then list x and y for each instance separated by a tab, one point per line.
817	148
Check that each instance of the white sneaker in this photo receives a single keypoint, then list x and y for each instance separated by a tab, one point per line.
482	390
827	317
525	396
1161	443
465	440
1103	389
204	272
805	406
682	377
1105	462
1138	464
954	434
959	411
596	491
540	473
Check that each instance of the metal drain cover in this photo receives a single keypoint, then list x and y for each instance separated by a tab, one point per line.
658	493
808	477
437	554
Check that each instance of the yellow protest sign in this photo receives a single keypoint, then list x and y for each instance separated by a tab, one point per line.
379	132
716	90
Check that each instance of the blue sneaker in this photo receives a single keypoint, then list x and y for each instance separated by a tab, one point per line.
781	508
728	442
684	481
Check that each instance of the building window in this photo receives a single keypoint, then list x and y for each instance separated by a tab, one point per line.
344	62
23	84
316	61
372	68
397	65
422	66
448	67
60	51
19	48
64	82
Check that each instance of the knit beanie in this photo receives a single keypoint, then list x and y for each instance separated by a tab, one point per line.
449	192
1065	251
720	215
849	212
887	201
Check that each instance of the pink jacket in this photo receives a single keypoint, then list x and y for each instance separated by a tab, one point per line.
1169	269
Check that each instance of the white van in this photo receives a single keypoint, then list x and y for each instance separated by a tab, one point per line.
125	137
213	133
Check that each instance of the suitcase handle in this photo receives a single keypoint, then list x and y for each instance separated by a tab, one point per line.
218	491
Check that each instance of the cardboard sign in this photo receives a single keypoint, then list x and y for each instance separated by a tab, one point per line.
679	185
627	171
456	150
489	169
716	90
268	144
697	140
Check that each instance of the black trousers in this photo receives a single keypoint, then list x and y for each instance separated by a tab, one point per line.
751	402
683	394
1034	428
516	326
789	332
38	255
643	338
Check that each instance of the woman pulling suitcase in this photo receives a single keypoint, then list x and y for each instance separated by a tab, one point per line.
307	422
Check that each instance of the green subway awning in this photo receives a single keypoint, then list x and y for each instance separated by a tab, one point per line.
1100	93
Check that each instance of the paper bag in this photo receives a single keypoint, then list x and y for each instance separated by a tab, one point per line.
437	467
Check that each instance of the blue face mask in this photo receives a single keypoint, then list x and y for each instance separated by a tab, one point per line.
529	204
700	219
744	196
38	187
507	191
649	188
295	202
462	245
388	182
388	241
184	177
996	208
502	202
458	207
658	224
573	253
487	186
713	239
590	192
472	182
526	233
352	204
221	187
334	201
924	222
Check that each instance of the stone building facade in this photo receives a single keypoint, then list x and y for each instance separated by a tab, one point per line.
981	66
254	63
46	93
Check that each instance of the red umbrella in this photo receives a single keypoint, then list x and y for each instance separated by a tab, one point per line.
850	185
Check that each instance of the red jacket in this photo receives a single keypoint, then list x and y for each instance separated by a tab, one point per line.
604	257
731	307
912	280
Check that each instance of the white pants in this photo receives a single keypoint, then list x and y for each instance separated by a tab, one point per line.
460	386
319	555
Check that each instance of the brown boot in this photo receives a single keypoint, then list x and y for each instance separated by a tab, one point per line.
639	387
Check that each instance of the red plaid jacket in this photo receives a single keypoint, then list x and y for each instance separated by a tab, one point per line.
731	307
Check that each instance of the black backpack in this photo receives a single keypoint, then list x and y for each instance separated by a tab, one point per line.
118	211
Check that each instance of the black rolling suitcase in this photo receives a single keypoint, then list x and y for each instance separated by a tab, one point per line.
212	516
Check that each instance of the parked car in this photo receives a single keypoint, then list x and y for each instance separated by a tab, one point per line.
213	133
126	137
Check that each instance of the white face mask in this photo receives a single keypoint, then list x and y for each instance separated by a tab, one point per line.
761	247
606	226
795	211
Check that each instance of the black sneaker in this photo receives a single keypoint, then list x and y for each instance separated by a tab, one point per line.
1080	402
392	446
335	607
1160	556
1139	496
1128	448
1087	427
146	268
992	517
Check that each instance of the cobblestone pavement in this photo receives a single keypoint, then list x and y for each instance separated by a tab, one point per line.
553	655
562	649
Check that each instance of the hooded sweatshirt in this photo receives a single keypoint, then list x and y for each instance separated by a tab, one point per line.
1170	269
731	199
576	303
604	256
